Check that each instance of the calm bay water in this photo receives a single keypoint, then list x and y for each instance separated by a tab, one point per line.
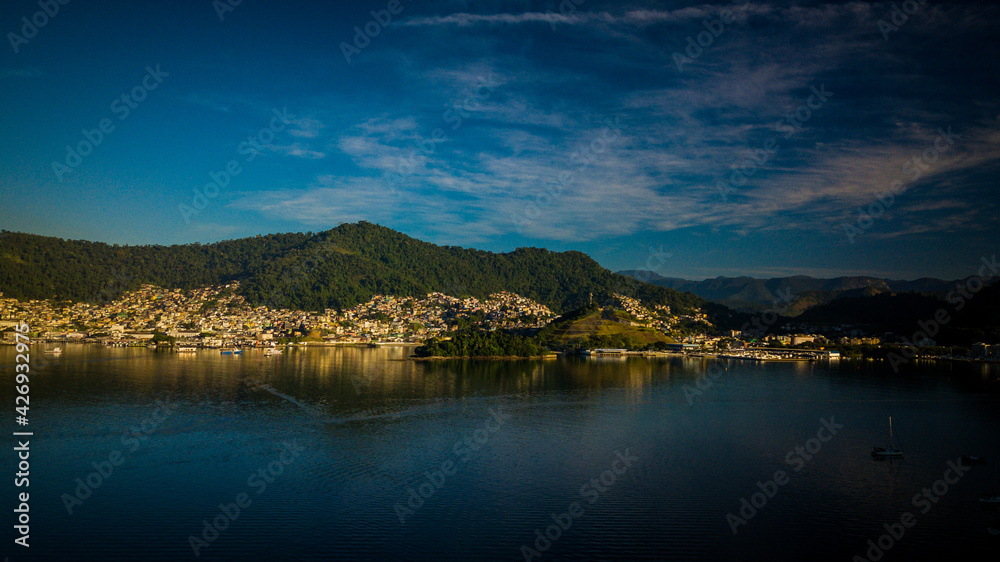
366	427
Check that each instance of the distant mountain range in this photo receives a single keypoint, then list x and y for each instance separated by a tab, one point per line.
968	320
873	305
748	294
338	268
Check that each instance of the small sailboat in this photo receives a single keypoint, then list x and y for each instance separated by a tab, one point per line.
271	351
889	451
55	350
232	352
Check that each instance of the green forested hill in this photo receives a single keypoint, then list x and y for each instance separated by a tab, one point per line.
41	267
334	269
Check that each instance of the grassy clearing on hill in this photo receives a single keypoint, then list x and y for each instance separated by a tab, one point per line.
594	326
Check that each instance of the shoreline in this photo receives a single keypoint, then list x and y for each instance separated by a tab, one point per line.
144	343
377	345
483	357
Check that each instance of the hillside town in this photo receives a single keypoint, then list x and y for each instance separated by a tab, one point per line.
219	317
660	317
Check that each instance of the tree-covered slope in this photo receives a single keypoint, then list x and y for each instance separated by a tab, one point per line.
41	267
347	265
334	269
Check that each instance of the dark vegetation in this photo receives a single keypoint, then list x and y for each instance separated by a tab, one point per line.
337	269
966	320
587	327
476	343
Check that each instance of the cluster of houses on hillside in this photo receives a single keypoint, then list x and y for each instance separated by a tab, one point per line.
658	316
218	316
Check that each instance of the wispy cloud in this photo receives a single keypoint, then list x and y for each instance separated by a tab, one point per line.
21	73
643	17
684	131
306	127
297	150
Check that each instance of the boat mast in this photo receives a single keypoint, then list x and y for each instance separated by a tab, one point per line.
893	434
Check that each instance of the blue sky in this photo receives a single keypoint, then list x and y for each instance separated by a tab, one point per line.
598	126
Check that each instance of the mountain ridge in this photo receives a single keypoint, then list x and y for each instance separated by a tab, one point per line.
337	268
750	294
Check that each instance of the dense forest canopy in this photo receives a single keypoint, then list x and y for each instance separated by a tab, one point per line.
338	268
477	343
